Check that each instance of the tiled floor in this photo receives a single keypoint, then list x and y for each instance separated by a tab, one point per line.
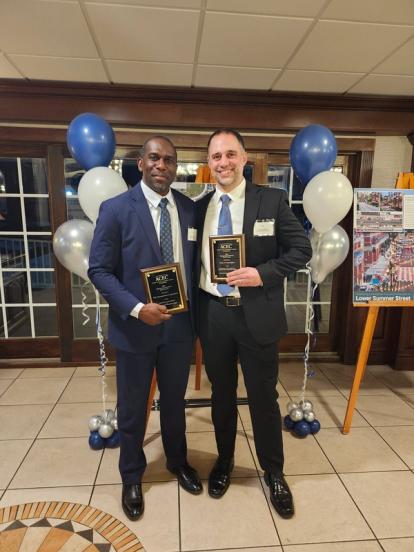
353	493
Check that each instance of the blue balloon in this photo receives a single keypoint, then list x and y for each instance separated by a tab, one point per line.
91	141
302	428
315	426
312	151
96	442
113	440
288	422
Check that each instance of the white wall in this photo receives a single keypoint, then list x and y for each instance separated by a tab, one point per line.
392	155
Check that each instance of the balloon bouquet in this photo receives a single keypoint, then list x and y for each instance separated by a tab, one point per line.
327	198
91	142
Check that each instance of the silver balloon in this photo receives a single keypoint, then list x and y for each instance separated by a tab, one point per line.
72	244
296	414
105	430
114	423
291	405
108	415
306	406
309	415
95	422
329	251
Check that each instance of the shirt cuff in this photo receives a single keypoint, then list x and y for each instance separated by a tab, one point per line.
136	310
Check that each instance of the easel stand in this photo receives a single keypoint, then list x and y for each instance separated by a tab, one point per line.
404	181
367	336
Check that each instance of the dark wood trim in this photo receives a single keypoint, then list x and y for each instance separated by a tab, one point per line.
47	347
295	343
20	148
39	138
411	140
131	106
404	350
57	203
348	330
404	358
55	362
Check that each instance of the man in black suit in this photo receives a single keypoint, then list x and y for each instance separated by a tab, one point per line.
245	318
147	226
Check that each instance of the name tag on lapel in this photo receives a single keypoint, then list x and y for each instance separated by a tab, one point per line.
192	234
264	227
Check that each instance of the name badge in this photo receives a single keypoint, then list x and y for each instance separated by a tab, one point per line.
265	227
192	234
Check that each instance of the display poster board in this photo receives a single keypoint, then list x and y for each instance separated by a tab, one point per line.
383	247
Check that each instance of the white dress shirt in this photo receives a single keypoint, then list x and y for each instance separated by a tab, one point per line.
153	200
236	205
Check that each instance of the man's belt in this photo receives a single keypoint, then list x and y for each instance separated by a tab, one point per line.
228	301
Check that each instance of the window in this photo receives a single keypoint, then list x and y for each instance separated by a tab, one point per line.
27	284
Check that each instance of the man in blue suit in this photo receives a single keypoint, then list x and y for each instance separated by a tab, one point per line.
147	226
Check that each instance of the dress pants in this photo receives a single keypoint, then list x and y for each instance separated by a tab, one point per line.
225	338
134	374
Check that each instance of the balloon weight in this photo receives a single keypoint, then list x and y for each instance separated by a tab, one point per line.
288	422
302	428
95	441
315	426
113	440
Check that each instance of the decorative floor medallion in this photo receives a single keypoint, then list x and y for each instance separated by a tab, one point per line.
63	527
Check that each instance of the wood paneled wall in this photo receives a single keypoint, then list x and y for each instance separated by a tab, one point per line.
140	110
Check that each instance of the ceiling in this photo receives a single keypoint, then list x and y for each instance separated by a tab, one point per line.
326	46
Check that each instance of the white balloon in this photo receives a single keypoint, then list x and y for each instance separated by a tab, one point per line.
97	185
72	245
327	199
329	251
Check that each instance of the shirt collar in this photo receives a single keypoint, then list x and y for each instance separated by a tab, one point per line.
154	198
237	192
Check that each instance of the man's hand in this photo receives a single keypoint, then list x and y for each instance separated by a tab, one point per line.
154	314
244	277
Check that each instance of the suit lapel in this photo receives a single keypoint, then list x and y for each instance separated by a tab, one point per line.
251	208
144	216
201	207
184	218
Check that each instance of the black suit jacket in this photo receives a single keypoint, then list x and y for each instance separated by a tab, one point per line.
275	257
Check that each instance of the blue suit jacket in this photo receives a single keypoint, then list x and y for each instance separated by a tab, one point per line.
125	241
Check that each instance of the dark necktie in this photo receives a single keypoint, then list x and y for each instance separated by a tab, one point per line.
166	243
225	227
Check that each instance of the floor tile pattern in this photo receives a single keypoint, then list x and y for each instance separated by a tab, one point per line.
353	493
64	527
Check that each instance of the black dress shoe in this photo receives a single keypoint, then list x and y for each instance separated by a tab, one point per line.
132	501
280	495
219	478
187	478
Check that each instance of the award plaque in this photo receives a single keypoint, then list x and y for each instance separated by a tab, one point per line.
164	285
227	253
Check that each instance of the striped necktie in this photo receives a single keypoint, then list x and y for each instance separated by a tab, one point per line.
166	243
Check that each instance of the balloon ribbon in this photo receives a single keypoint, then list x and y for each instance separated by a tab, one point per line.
308	372
102	355
84	303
